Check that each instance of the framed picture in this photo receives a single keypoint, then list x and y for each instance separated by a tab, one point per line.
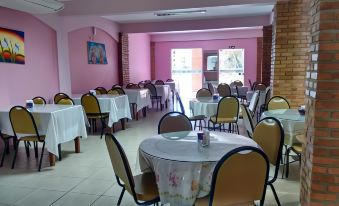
96	53
12	46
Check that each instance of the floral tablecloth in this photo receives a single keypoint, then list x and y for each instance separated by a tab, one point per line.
183	170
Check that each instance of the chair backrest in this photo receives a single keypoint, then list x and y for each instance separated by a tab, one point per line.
224	90
59	96
203	92
66	101
141	84
129	85
211	88
240	177
174	122
269	135
247	119
228	107
238	83
101	90
90	104
116	86
39	100
254	102
253	85
120	163
182	108
117	89
267	97
152	89
134	86
278	102
169	80
113	92
22	121
159	82
261	87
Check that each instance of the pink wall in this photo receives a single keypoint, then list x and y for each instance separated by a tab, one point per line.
86	76
39	76
139	57
163	54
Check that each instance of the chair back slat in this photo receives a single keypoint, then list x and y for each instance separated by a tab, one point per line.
254	102
228	107
278	102
152	89
66	101
59	96
90	104
203	93
22	121
39	100
247	119
224	90
174	122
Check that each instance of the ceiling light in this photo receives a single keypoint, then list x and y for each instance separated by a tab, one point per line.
181	12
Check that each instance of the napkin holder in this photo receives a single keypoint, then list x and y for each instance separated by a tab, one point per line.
215	97
93	92
302	110
29	104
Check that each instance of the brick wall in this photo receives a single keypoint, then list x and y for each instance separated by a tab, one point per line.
259	59
266	55
152	60
124	59
320	162
290	50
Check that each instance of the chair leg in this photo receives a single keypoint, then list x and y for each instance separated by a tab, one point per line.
59	151
275	194
3	155
42	154
102	128
121	195
195	124
237	127
36	149
287	162
27	149
15	153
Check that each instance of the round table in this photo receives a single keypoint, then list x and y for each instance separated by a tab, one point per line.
293	122
204	106
184	170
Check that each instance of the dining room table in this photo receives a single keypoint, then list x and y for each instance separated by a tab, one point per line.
139	99
183	168
116	105
60	124
292	121
206	106
164	92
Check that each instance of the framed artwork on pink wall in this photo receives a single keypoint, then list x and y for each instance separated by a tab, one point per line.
12	46
96	53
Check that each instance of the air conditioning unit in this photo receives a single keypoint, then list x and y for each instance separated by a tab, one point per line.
33	6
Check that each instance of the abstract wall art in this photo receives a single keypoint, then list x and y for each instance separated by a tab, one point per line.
12	46
96	53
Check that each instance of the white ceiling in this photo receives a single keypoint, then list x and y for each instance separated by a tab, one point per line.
211	12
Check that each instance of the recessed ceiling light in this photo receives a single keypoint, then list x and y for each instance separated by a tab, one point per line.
180	12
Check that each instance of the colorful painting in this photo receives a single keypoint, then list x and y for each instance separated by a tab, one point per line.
12	46
96	53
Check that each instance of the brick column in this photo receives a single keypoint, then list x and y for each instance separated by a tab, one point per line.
124	61
290	47
152	60
259	59
320	162
266	55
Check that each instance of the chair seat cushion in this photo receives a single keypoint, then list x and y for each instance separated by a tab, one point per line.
222	120
146	187
198	117
297	148
32	138
97	116
205	202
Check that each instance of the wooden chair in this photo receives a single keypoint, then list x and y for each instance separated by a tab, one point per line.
227	112
154	95
101	90
92	108
224	90
269	135
22	122
203	92
174	122
59	96
39	100
143	187
200	118
278	102
247	119
239	179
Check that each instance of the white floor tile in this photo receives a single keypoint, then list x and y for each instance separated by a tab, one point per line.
76	199
40	198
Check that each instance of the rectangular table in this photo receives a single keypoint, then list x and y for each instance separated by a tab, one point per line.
139	97
116	105
164	91
60	124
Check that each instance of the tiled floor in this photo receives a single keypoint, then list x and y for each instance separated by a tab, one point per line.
88	179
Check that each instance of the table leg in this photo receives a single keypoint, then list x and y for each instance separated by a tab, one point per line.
144	111
123	124
77	144
51	159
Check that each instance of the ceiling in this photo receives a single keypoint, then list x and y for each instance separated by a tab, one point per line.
211	12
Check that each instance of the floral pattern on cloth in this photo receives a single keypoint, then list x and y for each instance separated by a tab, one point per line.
179	183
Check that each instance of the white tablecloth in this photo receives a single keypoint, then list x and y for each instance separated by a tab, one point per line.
183	171
60	123
140	97
116	105
170	84
164	91
292	122
204	106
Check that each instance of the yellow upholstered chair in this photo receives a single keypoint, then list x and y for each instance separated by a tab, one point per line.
159	82
113	92
143	187
174	122
5	138
101	90
203	93
224	90
66	101
119	90
297	148
39	100
269	135
237	83
238	179
278	102
92	108
154	95
227	112
22	122
59	96
248	120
